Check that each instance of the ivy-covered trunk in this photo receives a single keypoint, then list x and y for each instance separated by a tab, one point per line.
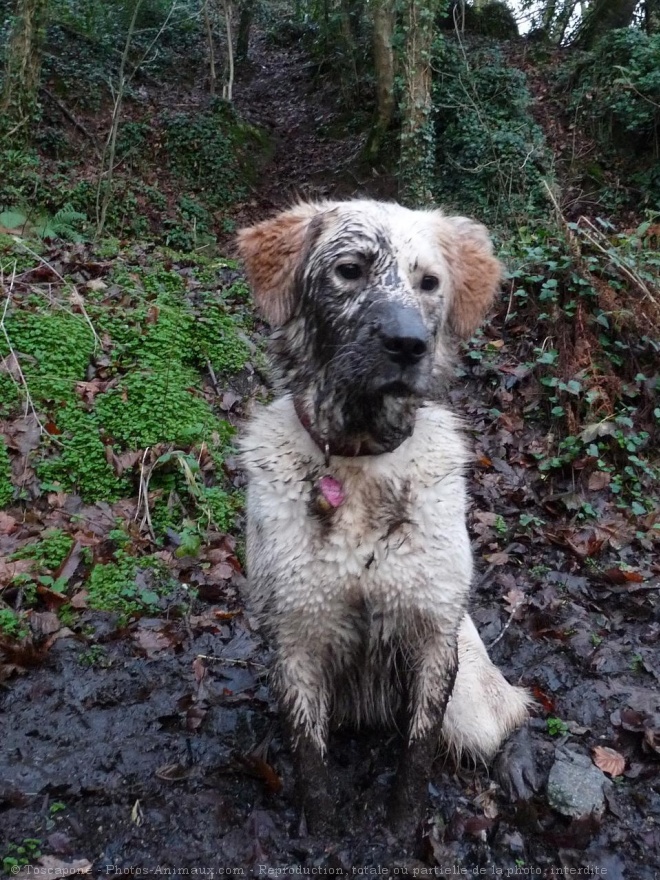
19	102
417	135
383	21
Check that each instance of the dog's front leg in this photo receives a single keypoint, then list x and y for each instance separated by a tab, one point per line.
301	686
430	681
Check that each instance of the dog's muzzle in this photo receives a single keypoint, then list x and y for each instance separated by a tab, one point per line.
403	341
402	332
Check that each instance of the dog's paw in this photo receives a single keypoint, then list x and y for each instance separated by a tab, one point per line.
515	767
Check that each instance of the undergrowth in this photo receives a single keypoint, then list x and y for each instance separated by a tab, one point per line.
122	376
491	157
590	367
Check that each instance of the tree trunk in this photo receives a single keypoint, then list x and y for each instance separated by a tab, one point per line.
243	35
228	85
208	27
652	16
417	135
603	16
19	104
383	15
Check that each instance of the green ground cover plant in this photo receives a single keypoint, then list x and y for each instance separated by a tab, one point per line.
121	385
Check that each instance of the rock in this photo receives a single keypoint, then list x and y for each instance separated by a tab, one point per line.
575	786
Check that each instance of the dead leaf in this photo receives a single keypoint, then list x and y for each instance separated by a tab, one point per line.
199	670
622	576
652	740
221	572
497	558
514	598
598	480
96	284
79	599
44	623
151	641
257	766
608	760
173	772
7	523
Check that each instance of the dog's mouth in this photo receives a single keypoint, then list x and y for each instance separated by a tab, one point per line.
397	388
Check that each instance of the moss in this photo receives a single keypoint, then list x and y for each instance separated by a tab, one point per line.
6	487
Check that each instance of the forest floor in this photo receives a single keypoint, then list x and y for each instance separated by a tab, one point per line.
151	745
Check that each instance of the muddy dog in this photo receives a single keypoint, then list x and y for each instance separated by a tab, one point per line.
359	563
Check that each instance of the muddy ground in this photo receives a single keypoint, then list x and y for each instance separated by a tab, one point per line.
155	748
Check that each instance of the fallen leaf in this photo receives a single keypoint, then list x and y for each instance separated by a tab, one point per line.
497	558
598	480
44	623
608	760
7	523
256	766
622	576
173	772
514	598
221	572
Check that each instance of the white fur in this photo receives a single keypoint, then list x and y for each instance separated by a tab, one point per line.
309	583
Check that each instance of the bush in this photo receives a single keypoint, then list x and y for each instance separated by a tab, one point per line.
490	154
616	100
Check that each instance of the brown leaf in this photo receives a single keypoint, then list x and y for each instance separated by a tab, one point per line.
514	598
79	599
622	576
608	760
256	766
151	641
123	462
497	558
652	740
7	523
70	565
43	623
598	480
199	669
220	572
194	717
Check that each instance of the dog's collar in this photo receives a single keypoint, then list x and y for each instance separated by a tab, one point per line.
344	450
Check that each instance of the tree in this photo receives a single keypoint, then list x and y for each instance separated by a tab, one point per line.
417	138
19	102
383	23
601	17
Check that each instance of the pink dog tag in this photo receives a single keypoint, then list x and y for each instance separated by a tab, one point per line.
332	490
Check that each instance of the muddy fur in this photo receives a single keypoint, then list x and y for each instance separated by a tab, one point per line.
364	597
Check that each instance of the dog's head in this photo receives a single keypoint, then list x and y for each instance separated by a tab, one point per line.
364	296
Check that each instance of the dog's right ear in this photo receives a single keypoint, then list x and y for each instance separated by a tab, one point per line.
272	251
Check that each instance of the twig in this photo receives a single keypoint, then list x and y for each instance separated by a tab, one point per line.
245	664
29	404
520	602
76	297
143	496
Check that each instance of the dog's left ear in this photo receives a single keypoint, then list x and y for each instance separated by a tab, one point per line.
272	251
475	272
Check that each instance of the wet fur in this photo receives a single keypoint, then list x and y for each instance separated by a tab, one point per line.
366	603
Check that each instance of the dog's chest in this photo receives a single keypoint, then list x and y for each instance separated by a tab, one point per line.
398	530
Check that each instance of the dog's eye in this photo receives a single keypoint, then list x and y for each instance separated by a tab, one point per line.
429	282
350	271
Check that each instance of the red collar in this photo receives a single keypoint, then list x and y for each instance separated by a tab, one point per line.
344	450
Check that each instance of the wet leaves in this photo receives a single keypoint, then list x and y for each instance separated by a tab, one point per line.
608	760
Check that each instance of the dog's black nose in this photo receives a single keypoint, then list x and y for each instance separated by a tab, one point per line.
403	334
